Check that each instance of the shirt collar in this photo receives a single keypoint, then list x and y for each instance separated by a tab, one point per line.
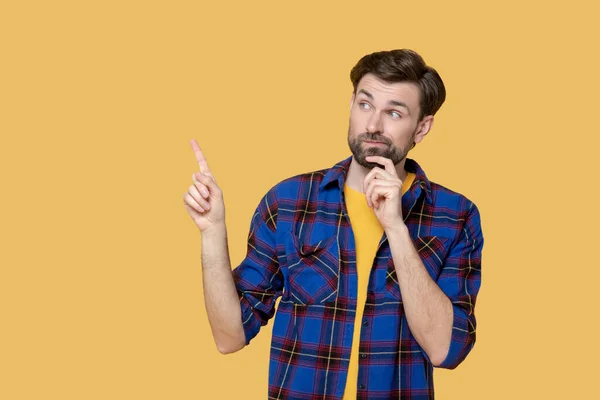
339	171
421	180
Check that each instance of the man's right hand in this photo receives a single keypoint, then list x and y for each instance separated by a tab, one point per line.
204	203
204	199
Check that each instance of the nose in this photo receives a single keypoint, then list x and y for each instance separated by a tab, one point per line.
374	123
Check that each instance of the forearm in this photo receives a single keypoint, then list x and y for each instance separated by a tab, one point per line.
220	295
428	310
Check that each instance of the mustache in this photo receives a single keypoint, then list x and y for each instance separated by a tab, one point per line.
374	137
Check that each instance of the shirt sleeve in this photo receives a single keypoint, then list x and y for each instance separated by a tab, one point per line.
258	278
460	280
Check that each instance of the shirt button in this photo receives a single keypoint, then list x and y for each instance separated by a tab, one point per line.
361	386
365	323
363	355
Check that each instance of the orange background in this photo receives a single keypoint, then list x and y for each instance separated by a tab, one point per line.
100	286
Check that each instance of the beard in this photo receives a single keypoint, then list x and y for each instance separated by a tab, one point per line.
396	154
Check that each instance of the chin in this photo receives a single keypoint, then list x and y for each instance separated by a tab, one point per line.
364	163
370	165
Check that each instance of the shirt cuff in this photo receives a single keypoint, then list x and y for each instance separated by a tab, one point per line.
462	340
250	321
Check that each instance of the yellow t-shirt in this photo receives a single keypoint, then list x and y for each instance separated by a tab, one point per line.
367	234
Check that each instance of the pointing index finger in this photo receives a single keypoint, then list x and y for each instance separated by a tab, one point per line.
200	157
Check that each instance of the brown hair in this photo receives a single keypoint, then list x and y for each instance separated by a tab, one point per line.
404	66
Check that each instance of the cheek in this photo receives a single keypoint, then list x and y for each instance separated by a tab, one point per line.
356	124
401	134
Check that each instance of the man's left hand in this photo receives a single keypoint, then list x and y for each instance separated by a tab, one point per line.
383	190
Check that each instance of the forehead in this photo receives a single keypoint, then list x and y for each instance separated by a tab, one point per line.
405	92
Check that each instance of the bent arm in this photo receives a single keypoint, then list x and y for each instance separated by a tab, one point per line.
220	294
241	301
428	310
440	313
460	280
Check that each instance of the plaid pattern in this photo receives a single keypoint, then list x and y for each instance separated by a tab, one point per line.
301	247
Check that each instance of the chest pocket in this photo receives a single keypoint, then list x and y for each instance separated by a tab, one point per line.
432	251
312	270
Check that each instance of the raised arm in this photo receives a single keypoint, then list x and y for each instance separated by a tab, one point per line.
204	203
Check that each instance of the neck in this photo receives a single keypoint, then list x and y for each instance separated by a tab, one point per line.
357	174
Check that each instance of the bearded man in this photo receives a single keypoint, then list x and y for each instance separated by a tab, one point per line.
377	267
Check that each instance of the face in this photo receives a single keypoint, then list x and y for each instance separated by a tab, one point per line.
384	120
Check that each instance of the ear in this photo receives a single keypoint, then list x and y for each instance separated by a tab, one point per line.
423	128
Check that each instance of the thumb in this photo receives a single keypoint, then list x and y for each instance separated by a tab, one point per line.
208	180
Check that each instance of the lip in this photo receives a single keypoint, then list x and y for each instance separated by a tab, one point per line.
371	142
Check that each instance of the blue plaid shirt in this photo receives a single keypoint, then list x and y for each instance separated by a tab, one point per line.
301	248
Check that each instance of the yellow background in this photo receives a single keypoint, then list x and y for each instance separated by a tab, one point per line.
100	285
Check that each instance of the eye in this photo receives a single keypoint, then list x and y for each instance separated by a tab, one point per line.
364	105
395	114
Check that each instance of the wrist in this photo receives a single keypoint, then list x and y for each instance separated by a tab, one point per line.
214	231
397	230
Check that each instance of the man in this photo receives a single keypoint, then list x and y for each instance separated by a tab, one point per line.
377	267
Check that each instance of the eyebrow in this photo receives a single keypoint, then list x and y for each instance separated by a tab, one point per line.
391	102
